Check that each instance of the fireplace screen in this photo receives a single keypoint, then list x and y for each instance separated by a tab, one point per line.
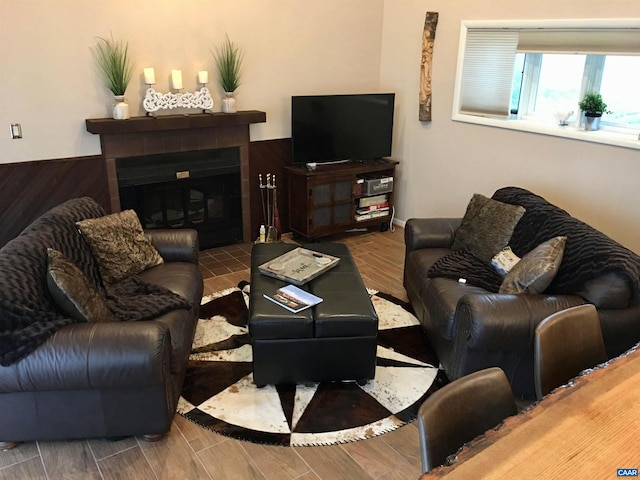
211	203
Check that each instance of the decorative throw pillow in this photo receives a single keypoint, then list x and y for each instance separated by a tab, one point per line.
537	269
486	227
504	260
73	293
119	244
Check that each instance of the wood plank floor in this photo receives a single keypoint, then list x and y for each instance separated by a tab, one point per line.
191	452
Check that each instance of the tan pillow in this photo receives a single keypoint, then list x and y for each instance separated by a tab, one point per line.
537	269
119	244
72	292
487	227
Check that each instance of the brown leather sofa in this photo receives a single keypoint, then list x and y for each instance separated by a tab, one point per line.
99	379
471	327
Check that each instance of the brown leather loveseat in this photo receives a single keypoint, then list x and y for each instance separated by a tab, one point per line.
472	327
67	379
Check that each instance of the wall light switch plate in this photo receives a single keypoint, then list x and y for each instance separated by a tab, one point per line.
16	130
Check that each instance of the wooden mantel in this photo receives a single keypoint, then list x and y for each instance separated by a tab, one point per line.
104	126
140	136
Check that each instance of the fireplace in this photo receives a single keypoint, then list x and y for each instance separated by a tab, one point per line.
181	171
200	190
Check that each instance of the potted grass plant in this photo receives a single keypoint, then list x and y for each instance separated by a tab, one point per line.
228	59
116	69
593	107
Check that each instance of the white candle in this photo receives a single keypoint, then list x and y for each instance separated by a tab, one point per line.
203	76
149	76
176	79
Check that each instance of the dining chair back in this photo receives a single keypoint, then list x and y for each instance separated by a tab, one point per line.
566	343
460	411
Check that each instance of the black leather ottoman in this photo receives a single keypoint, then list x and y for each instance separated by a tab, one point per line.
335	340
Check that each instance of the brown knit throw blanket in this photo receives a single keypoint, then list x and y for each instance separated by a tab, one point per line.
28	315
588	253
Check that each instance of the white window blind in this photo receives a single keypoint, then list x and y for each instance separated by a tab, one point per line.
601	41
489	59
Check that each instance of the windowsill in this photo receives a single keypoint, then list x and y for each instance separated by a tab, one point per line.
603	136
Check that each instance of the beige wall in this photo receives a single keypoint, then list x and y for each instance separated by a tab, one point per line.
444	162
49	85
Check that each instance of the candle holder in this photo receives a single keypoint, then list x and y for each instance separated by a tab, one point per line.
154	100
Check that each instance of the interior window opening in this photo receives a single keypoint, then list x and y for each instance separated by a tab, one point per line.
621	91
559	85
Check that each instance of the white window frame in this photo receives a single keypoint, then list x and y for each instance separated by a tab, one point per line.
591	81
609	137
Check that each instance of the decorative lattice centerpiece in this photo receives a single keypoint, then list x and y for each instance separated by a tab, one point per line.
154	100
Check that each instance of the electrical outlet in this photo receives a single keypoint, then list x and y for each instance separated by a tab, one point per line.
16	130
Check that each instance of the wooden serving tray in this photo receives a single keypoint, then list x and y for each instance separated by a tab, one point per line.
299	265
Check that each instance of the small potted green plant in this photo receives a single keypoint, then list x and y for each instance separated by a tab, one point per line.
116	69
593	107
228	59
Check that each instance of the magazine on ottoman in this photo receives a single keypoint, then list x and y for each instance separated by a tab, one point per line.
293	298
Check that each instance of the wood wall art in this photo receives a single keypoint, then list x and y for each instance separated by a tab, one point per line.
428	38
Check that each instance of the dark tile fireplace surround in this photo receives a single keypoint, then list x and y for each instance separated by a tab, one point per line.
182	171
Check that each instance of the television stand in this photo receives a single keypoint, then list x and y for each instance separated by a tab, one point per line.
335	198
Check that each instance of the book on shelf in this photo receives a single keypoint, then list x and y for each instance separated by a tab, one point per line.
293	298
373	200
370	215
373	208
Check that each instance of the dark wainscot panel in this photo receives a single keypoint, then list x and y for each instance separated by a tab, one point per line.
28	189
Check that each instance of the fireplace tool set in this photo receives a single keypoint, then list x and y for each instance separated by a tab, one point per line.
270	228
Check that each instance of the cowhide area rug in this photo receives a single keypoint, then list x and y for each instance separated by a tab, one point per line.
219	393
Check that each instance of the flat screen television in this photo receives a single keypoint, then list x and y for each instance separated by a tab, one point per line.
334	128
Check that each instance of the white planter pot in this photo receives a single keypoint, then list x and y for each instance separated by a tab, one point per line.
120	108
229	103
